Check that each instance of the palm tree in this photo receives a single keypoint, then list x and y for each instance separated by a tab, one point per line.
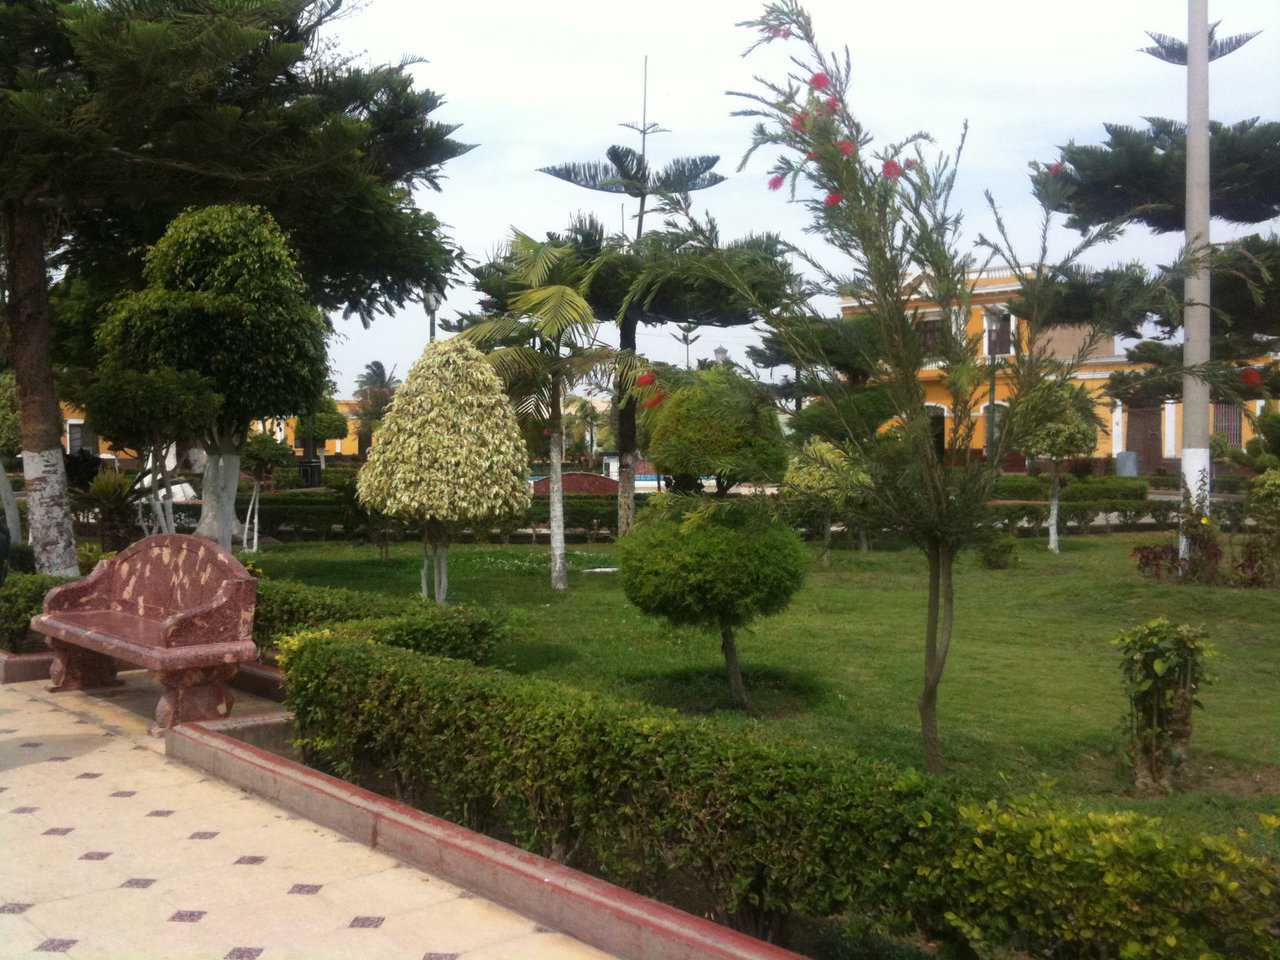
591	418
375	387
377	377
543	344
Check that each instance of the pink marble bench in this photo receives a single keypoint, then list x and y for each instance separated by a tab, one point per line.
179	606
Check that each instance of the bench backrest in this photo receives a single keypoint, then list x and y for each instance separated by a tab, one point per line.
167	574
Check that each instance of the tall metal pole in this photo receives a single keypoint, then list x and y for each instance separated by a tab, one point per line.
1196	317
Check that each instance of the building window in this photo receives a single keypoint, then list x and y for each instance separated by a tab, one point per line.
930	334
1227	421
80	436
999	334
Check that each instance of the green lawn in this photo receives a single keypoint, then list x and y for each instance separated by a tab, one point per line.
1032	690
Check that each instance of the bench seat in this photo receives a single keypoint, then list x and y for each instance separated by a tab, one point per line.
137	640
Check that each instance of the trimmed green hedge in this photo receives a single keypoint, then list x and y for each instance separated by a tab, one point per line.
754	832
1030	518
459	633
21	598
1015	486
582	510
1105	488
287	606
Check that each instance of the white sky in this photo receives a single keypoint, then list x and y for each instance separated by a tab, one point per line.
537	83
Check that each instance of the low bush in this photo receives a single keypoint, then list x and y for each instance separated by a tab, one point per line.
21	598
754	832
1015	486
584	511
22	558
459	633
1105	488
998	552
286	606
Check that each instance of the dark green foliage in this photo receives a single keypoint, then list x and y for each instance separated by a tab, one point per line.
998	552
286	606
111	499
1105	488
758	832
22	559
459	633
835	418
1018	487
261	455
148	410
21	598
324	423
712	566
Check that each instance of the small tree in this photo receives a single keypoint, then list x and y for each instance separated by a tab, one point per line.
825	482
1164	669
324	423
717	565
224	299
449	452
261	454
721	424
1066	427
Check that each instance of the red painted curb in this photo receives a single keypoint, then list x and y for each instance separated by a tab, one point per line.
598	913
20	667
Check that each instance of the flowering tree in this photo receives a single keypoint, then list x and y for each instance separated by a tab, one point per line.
449	451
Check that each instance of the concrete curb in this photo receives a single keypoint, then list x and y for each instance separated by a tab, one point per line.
597	913
260	679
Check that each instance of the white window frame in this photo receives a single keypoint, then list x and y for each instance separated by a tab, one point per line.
1004	311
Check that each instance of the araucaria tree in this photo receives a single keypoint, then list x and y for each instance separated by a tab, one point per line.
449	452
115	116
224	300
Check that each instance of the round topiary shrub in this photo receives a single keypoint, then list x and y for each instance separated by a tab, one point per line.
717	566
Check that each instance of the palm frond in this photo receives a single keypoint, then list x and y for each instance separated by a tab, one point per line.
1172	50
499	331
592	175
555	309
519	364
533	261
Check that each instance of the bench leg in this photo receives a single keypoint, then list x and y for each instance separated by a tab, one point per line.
197	693
75	668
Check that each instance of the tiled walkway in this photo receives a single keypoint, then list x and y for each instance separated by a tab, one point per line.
108	850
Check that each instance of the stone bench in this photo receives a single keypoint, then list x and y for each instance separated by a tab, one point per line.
176	605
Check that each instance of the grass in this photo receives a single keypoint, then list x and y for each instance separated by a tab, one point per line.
1032	692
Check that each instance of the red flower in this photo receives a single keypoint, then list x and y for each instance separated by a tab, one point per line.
811	155
646	378
779	32
834	199
833	104
847	147
892	169
546	431
1055	169
654	401
910	165
799	120
776	181
819	81
1251	377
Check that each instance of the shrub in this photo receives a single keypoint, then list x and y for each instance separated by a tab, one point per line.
1018	487
716	565
286	606
88	556
1264	501
459	633
21	598
1164	669
22	558
111	499
1105	488
998	552
754	832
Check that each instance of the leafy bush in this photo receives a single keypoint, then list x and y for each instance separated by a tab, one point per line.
22	558
1018	487
88	556
111	499
1264	501
756	832
998	552
1105	488
711	564
459	633
21	598
286	606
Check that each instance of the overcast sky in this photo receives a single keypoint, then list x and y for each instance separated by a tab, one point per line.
536	83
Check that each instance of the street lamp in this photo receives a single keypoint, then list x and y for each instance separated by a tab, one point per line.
432	300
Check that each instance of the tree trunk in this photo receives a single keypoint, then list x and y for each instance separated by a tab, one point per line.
559	564
207	526
1053	507
864	545
426	563
218	493
435	541
825	559
736	685
31	331
938	628
442	573
12	518
626	438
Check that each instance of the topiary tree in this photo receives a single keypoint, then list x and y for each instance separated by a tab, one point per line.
711	564
224	299
823	481
449	451
260	455
720	424
1064	427
326	422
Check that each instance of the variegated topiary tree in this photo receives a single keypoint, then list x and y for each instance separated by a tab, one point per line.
449	451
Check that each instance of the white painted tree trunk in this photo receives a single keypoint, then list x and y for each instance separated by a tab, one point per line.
1054	487
48	514
442	573
12	519
218	496
249	535
559	563
426	565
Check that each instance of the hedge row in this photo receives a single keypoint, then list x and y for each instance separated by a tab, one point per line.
287	606
1025	487
1230	483
459	633
1030	518
754	833
21	598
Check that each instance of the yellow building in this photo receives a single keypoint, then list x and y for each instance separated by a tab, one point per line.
1154	433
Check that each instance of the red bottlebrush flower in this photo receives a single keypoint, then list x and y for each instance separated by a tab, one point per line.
799	120
646	378
833	104
910	165
1055	169
811	155
654	401
847	147
892	169
834	199
819	81
776	181
1251	377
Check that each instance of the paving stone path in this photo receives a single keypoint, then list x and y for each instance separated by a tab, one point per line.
109	850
